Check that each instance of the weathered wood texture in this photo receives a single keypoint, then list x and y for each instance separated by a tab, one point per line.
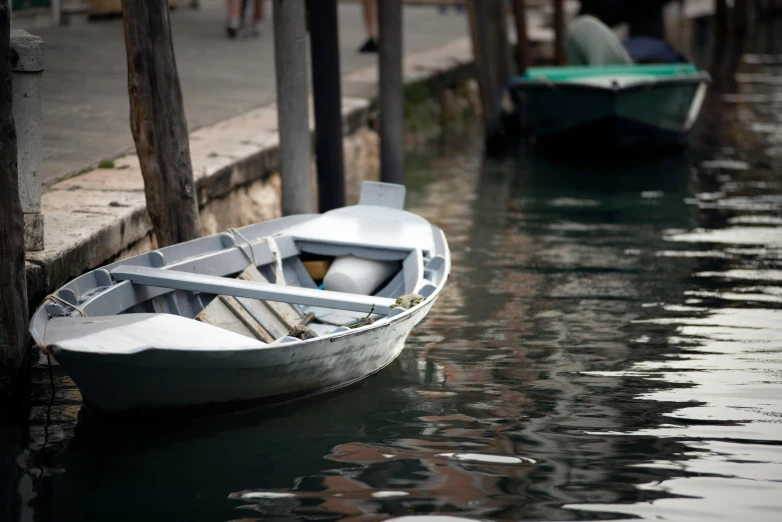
392	92
491	50
478	17
13	283
158	124
290	60
498	23
559	32
524	57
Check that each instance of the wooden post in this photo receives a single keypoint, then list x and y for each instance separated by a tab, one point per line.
290	60
158	124
524	58
327	98
477	13
742	16
721	20
392	92
13	281
559	32
498	21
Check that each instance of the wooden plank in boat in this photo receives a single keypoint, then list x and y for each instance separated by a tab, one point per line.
264	317
262	320
284	311
218	314
248	319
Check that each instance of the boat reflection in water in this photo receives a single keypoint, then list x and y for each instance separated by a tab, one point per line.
607	347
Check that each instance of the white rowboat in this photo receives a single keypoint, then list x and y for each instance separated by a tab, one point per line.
198	328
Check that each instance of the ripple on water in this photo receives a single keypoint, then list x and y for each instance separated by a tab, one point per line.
488	459
621	330
767	236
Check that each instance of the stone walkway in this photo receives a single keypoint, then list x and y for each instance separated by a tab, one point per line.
85	99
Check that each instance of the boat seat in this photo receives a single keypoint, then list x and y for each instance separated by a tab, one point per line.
265	321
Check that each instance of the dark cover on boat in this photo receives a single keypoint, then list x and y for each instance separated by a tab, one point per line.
643	49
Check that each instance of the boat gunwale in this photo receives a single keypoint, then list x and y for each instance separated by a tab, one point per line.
41	317
521	85
382	323
331	337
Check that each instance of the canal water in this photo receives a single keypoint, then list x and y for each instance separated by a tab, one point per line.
609	346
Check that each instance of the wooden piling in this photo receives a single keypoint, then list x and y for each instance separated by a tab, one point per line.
13	281
523	56
290	58
478	17
742	17
721	20
158	124
498	23
392	92
559	32
327	98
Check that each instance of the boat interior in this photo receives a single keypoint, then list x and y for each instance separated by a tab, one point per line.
259	281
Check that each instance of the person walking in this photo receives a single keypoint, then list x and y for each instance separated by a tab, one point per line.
370	24
236	9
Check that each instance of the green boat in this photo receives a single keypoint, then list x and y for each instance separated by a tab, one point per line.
610	107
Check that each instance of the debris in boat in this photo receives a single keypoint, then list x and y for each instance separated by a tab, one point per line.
302	332
408	301
317	269
365	321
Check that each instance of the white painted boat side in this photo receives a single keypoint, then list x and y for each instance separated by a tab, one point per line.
159	379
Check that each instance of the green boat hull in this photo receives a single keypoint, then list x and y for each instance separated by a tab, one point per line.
610	107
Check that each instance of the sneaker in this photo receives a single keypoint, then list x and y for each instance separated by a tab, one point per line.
254	31
232	28
370	46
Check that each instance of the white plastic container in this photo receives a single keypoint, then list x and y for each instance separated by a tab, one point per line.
356	275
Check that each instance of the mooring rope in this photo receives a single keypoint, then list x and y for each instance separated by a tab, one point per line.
252	259
279	274
60	300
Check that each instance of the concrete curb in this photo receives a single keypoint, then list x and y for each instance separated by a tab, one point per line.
101	215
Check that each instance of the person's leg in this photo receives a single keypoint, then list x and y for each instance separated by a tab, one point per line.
370	18
370	23
243	12
234	17
255	28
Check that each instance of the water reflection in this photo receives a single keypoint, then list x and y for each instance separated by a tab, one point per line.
608	347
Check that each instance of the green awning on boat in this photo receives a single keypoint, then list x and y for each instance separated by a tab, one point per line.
575	73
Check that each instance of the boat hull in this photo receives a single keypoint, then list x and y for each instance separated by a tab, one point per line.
175	384
647	115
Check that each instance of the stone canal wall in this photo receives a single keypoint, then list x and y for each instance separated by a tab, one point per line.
100	215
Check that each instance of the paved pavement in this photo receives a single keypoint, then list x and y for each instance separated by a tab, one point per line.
85	103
